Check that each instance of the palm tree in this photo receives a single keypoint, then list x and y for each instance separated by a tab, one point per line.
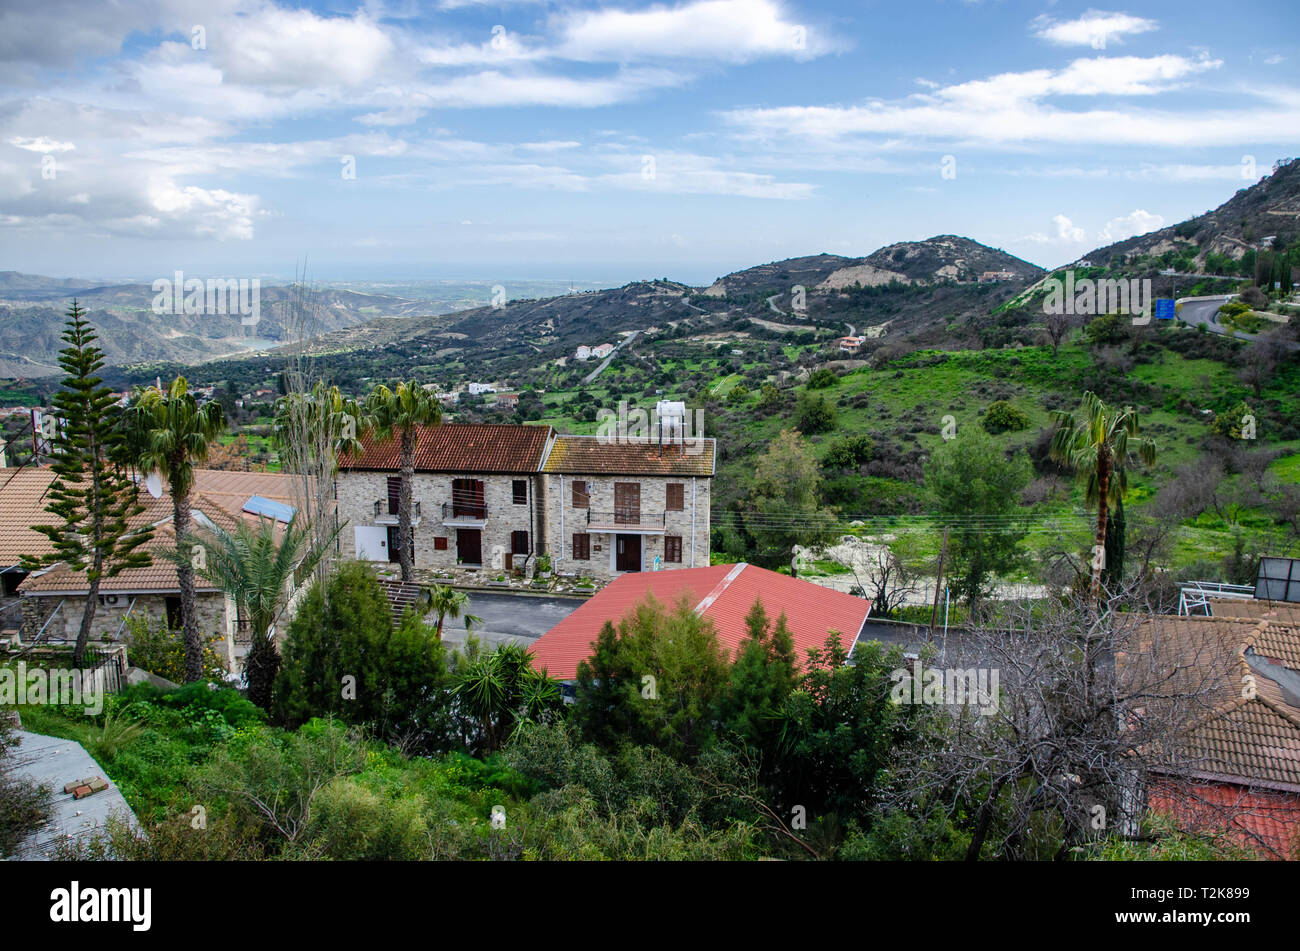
172	432
254	566
447	602
399	413
1097	444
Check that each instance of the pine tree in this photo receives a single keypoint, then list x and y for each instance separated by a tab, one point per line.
91	496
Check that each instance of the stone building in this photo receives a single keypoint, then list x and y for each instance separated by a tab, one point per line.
492	498
48	603
627	505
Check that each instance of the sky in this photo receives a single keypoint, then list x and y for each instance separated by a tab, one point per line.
621	141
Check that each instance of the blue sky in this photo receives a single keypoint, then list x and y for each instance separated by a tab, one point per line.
612	142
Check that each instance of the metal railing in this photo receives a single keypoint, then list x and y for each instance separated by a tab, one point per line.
472	510
632	518
382	509
1194	598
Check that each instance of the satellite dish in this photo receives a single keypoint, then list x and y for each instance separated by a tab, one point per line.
153	484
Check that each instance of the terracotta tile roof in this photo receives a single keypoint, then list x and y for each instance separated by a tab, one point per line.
1248	740
157	578
461	447
631	456
218	495
1282	611
722	593
22	505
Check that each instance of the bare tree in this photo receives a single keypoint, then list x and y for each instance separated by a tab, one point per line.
886	581
1259	360
1061	758
1058	328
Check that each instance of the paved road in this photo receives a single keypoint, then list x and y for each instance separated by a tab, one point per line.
510	618
613	353
1207	311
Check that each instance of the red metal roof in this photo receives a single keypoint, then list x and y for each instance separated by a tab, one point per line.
460	447
722	593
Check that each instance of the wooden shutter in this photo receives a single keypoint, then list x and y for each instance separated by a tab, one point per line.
675	498
581	497
394	494
582	547
673	548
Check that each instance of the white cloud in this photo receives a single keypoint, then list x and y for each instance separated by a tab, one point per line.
735	31
40	143
1095	28
1135	222
1018	110
1065	231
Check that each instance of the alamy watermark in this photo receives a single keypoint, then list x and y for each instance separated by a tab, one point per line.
1103	296
669	423
216	296
973	686
55	686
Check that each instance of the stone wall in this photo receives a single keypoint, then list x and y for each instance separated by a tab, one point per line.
108	624
358	491
563	521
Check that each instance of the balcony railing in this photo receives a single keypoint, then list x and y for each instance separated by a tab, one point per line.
464	512
626	520
383	515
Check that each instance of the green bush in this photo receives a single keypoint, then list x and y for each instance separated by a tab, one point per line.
161	651
849	452
822	377
814	414
1002	417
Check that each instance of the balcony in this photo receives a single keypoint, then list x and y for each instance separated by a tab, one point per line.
464	514
627	521
383	515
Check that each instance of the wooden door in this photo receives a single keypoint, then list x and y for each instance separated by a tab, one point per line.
627	552
627	503
469	546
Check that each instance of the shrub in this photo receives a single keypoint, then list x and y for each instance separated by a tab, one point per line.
849	452
822	377
814	414
1002	417
161	651
24	805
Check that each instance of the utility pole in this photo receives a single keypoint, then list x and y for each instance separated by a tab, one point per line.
938	583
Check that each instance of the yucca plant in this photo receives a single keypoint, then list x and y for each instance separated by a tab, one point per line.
499	689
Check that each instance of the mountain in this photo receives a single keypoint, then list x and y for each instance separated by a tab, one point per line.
33	310
1212	242
925	291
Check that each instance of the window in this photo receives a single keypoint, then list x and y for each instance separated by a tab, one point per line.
520	487
582	547
675	500
394	494
467	499
581	497
440	543
673	548
518	543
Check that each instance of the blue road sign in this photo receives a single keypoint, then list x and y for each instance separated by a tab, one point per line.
1164	308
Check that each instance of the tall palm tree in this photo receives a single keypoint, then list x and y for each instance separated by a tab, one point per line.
254	566
172	431
447	602
399	413
1097	444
